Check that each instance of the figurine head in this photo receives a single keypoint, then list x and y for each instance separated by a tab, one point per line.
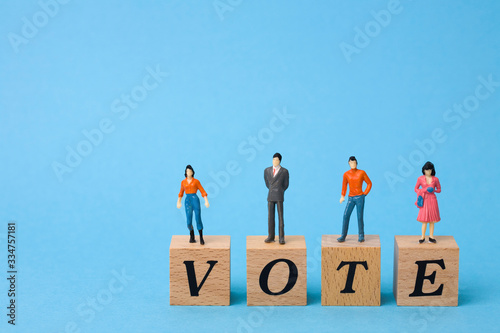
189	171
428	169
276	159
353	162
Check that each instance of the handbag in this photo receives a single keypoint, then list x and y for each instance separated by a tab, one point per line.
420	201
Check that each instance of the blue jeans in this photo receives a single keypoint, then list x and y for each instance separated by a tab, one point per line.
191	203
359	202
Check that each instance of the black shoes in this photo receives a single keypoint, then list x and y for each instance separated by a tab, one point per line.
432	240
271	240
191	239
202	242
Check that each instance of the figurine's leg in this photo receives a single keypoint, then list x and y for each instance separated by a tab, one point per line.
347	215
189	212
424	228
197	217
281	222
270	221
189	218
197	213
360	206
431	232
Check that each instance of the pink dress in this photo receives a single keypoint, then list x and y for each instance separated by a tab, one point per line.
430	210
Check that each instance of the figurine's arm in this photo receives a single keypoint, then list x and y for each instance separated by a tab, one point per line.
438	186
421	192
368	184
285	181
417	186
344	189
265	179
179	198
203	194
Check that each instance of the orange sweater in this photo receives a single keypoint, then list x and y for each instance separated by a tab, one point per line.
355	179
191	188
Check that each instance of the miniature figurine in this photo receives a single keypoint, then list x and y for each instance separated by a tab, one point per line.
354	178
190	185
276	178
427	201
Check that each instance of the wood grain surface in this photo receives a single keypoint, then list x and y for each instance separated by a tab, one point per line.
260	254
366	282
216	289
407	251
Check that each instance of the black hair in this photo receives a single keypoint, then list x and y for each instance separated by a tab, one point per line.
429	166
352	158
190	168
278	155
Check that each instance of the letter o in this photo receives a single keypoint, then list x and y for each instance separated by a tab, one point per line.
139	93
108	297
416	154
292	277
268	133
471	106
44	19
369	31
81	148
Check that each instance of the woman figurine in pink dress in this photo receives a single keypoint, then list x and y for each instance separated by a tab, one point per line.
426	188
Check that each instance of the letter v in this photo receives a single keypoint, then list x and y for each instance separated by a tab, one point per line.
193	287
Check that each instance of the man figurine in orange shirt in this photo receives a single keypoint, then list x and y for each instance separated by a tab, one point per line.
276	178
354	178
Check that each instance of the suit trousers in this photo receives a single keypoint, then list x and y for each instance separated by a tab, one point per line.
271	206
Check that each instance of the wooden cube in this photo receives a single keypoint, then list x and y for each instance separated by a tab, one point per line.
426	274
200	274
276	274
350	271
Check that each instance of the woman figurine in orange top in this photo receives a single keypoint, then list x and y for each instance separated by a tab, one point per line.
426	200
190	185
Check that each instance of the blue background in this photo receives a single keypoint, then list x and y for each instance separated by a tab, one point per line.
233	66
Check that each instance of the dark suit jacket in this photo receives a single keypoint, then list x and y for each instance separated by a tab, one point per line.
276	185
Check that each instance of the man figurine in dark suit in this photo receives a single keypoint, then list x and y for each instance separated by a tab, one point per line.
276	178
